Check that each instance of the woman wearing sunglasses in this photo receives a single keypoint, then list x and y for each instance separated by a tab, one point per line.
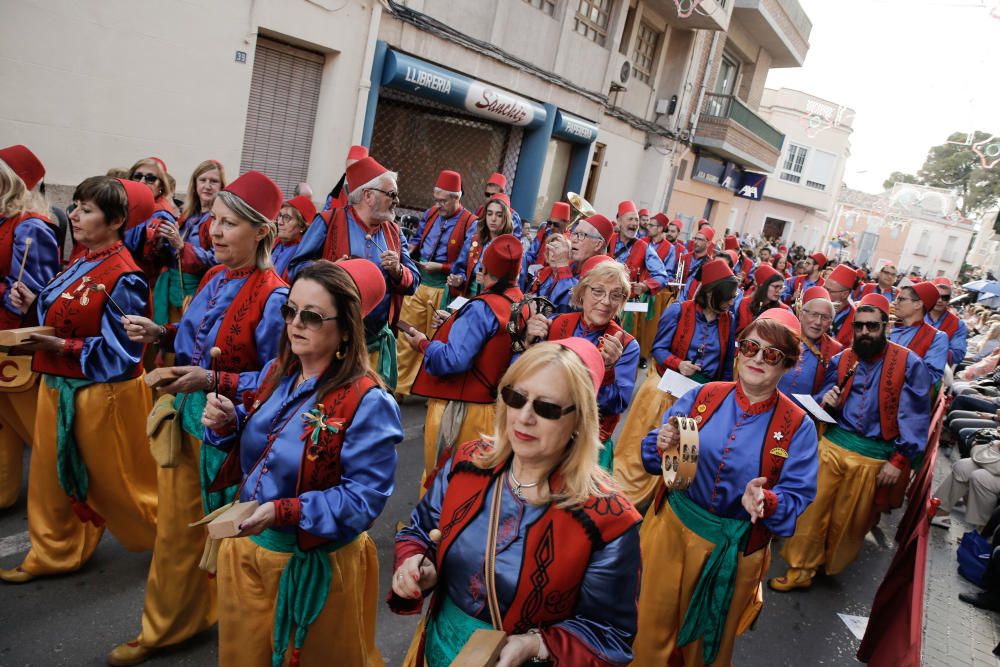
90	466
293	220
494	222
756	473
695	338
600	295
149	241
531	503
238	309
462	365
317	449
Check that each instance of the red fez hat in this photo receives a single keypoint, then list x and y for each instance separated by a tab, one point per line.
589	355
844	275
24	163
499	196
707	232
676	222
860	272
734	256
303	205
942	280
365	170
140	202
731	243
819	258
602	225
368	279
815	292
502	257
627	206
592	262
662	219
928	293
560	211
357	153
715	271
496	178
703	222
259	192
875	301
449	181
763	273
783	317
783	249
643	212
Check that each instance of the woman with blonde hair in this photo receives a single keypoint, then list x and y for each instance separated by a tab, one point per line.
532	504
494	222
29	253
149	241
236	309
600	297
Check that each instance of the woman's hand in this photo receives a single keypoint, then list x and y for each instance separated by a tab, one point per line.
141	329
688	369
538	327
611	348
432	267
753	498
259	521
190	378
455	281
414	338
21	297
414	575
169	232
887	475
218	414
40	343
519	649
668	437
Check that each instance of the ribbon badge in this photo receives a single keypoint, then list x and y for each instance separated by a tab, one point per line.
317	423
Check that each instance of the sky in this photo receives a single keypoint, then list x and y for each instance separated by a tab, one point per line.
914	71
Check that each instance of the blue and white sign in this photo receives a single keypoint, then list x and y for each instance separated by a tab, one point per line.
752	186
422	78
572	128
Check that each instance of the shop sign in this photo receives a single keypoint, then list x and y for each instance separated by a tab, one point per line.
709	170
751	185
574	129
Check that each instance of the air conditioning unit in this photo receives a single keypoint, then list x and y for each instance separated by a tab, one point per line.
621	72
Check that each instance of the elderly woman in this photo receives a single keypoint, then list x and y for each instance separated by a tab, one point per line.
237	309
768	284
90	466
29	252
494	222
315	503
190	252
695	338
567	538
462	365
293	220
711	541
600	295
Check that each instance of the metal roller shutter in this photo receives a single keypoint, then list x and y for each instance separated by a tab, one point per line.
281	112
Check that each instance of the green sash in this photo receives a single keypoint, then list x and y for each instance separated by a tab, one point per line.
447	632
631	318
169	291
606	459
870	447
211	458
437	280
709	605
700	377
384	343
302	589
72	472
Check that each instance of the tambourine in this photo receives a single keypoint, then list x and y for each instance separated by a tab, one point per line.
517	325
680	462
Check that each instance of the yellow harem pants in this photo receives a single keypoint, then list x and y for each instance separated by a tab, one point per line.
418	310
832	530
343	633
646	332
673	557
479	421
17	424
180	597
645	414
110	431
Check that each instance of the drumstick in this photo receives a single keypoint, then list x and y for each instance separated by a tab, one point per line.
101	288
24	258
435	537
216	353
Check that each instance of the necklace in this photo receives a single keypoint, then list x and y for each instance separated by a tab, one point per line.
518	485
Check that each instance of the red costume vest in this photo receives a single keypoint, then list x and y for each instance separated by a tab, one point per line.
563	326
457	239
744	316
828	349
890	384
320	466
72	319
845	335
338	245
636	260
869	288
785	421
921	341
684	333
949	324
479	383
9	320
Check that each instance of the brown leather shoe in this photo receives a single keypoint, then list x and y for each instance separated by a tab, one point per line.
16	576
129	653
793	579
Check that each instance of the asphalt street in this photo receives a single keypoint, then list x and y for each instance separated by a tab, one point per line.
78	618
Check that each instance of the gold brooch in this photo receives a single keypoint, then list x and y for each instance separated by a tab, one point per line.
780	451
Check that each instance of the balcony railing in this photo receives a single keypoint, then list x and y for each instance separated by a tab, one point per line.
727	106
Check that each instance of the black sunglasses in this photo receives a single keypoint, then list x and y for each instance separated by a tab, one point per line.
149	178
391	194
772	356
544	409
310	319
871	326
